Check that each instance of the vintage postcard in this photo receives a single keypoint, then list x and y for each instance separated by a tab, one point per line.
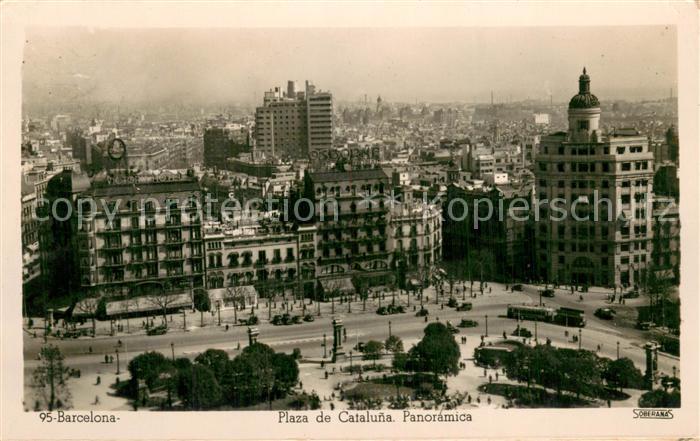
306	220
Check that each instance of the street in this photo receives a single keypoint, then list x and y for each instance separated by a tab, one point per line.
88	354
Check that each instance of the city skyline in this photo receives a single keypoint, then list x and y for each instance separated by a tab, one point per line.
431	65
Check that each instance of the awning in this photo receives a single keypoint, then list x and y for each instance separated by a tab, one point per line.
341	286
246	292
148	304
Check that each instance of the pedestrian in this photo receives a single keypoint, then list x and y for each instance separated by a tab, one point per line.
106	359
90	349
98	381
325	374
504	335
490	379
496	375
97	400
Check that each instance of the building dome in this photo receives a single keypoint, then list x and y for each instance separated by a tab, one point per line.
584	99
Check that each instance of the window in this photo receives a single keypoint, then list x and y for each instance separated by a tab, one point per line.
583	125
560	167
626	166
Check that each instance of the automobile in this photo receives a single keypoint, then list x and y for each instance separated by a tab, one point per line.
645	326
630	295
465	306
547	292
604	313
309	318
452	328
517	287
158	330
360	346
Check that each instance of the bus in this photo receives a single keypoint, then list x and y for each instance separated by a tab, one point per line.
531	312
570	317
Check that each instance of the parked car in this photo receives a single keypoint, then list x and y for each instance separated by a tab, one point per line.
517	287
645	326
547	292
158	330
466	306
630	295
604	313
452	328
309	318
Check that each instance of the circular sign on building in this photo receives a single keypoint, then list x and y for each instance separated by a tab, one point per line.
116	149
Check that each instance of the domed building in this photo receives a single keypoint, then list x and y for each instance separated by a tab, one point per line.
602	183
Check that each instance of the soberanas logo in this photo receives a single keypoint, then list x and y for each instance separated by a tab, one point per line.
659	414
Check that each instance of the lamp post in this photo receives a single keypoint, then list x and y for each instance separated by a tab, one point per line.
184	320
117	353
618	350
350	352
324	345
218	310
579	339
486	321
172	350
389	328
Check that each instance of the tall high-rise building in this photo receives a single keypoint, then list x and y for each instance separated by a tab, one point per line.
295	123
595	242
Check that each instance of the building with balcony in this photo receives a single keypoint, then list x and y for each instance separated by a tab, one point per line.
610	242
127	236
351	215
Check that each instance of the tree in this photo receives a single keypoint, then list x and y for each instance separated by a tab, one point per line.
235	295
202	303
197	387
437	352
622	373
372	350
660	398
214	359
659	290
259	374
393	344
148	367
163	301
89	307
50	379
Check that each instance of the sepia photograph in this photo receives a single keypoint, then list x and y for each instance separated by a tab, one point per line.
373	225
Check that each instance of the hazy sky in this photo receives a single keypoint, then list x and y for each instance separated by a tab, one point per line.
425	64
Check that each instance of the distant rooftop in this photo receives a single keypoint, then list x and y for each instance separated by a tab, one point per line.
354	175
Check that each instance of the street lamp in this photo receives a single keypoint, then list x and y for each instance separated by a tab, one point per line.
618	350
324	345
117	352
486	318
389	328
172	350
579	339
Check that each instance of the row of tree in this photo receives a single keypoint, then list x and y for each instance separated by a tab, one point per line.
577	371
256	375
